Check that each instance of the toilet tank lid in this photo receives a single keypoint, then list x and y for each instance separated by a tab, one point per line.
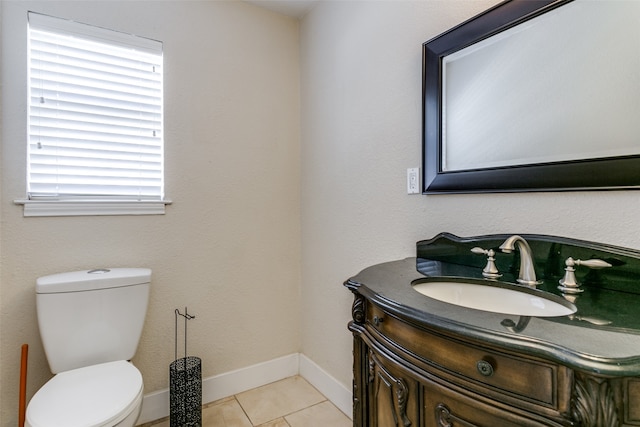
88	280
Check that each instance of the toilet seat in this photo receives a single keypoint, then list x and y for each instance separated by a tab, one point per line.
93	396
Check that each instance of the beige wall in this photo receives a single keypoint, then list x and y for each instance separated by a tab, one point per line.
1	204
228	247
361	121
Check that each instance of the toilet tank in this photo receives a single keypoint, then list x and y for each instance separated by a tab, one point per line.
90	317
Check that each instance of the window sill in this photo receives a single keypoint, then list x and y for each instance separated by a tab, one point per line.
93	207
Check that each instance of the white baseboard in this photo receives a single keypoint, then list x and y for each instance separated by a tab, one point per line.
331	388
234	382
156	405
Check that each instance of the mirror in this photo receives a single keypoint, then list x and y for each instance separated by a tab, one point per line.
534	95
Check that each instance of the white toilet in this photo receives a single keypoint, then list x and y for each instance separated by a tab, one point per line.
90	323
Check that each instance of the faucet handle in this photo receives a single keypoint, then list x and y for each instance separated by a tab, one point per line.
490	271
569	284
591	263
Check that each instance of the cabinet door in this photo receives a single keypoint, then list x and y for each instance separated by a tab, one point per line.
393	395
447	408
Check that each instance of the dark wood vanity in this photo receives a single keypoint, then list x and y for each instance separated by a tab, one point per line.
422	362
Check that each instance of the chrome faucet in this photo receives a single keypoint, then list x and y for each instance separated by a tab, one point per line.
527	274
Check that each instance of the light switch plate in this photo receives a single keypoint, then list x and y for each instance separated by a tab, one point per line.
413	181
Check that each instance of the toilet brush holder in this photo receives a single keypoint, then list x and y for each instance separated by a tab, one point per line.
185	384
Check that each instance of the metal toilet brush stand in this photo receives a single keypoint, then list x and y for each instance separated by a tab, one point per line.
185	384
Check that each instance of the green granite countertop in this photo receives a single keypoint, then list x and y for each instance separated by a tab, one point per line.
612	349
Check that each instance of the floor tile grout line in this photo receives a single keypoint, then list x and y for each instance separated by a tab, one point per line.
284	416
235	398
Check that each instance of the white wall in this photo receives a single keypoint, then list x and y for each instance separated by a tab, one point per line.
361	121
228	247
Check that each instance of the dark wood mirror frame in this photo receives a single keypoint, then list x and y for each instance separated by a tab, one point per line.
608	173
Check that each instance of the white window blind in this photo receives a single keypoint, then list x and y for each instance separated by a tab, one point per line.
95	113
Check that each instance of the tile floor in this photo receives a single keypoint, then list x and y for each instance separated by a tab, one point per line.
291	402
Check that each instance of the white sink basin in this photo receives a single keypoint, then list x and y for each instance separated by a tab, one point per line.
496	297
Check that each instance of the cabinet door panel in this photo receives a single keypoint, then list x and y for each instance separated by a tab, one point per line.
631	388
446	408
394	395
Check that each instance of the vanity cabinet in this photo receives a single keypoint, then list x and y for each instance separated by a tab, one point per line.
410	375
411	368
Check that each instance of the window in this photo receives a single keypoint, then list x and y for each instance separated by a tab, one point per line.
95	121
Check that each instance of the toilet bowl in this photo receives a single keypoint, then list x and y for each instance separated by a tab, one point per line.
90	323
108	394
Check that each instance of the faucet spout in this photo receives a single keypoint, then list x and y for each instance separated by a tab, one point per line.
527	273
